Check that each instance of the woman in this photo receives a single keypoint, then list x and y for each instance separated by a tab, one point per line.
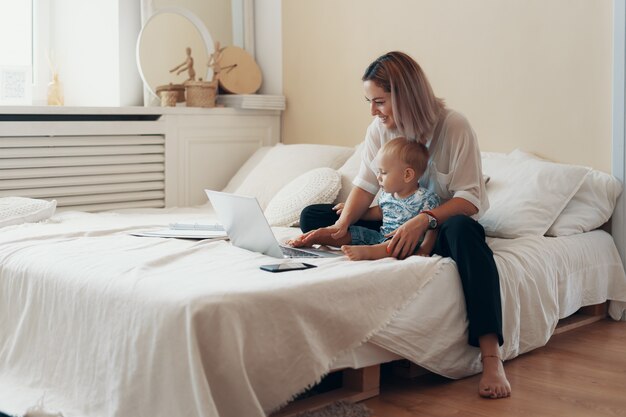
403	103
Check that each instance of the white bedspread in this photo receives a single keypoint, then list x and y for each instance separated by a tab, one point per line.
542	280
100	323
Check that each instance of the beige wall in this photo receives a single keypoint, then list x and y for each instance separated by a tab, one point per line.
533	74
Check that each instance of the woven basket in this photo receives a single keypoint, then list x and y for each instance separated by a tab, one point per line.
179	89
200	93
168	98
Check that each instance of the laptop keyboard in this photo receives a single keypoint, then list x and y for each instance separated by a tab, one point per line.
295	253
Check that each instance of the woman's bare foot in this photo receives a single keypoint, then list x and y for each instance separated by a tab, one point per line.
493	382
365	252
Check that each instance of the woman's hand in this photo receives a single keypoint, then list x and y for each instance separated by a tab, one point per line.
336	231
425	248
406	237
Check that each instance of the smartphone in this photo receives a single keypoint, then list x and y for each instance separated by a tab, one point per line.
287	266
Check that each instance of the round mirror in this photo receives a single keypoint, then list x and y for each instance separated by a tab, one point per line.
168	43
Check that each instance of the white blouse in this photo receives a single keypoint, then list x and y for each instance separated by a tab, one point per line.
454	168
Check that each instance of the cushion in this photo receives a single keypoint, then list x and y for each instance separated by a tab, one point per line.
283	163
590	207
318	186
245	169
527	195
18	210
349	171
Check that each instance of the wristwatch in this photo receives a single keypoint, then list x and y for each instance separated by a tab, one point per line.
432	220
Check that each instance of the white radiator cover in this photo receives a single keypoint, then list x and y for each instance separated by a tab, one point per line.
110	158
87	173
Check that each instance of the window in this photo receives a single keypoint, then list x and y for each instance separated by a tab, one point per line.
16	33
16	52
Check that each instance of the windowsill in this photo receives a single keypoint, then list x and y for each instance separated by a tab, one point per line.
46	113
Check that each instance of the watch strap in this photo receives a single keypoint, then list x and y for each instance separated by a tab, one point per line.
431	215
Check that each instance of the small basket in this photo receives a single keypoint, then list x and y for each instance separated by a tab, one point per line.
200	93
178	89
168	98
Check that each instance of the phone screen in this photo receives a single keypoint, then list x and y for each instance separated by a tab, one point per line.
287	266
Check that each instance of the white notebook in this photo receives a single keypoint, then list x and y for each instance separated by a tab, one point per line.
186	231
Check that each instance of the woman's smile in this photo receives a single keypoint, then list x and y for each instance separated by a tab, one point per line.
380	103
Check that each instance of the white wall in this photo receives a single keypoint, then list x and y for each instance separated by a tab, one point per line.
269	44
93	42
130	84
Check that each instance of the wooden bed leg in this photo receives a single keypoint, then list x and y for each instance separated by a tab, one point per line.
586	315
358	385
364	381
406	369
595	310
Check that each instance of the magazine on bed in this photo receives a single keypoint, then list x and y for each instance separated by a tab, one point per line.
186	231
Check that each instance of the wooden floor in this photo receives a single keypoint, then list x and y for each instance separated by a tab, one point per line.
581	373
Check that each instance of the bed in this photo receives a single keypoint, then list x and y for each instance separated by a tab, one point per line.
98	322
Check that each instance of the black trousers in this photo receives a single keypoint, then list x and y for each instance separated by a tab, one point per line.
462	239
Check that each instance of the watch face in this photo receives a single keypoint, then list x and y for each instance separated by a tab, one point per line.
432	222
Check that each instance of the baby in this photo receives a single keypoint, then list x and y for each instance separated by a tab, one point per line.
401	163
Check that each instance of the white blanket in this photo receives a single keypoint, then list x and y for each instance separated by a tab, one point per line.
100	323
542	280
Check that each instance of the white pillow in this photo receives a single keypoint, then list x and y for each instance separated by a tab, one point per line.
245	169
590	207
484	155
318	186
283	163
349	171
18	210
527	195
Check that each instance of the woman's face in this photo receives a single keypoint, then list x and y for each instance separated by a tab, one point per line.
380	103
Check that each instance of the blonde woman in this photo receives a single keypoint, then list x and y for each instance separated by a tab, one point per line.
403	104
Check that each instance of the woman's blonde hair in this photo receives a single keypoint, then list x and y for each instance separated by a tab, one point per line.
412	153
416	109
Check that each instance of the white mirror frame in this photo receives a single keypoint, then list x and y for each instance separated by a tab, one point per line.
204	33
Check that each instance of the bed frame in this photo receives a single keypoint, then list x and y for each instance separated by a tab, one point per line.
364	383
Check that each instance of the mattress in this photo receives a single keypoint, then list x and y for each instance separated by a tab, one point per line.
543	280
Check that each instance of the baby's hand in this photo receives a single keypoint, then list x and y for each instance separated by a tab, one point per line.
339	208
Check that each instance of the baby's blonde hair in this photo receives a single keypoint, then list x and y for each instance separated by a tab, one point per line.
411	152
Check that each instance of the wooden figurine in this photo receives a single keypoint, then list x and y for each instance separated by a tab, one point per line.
214	62
187	65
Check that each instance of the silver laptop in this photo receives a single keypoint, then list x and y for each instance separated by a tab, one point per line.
247	227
